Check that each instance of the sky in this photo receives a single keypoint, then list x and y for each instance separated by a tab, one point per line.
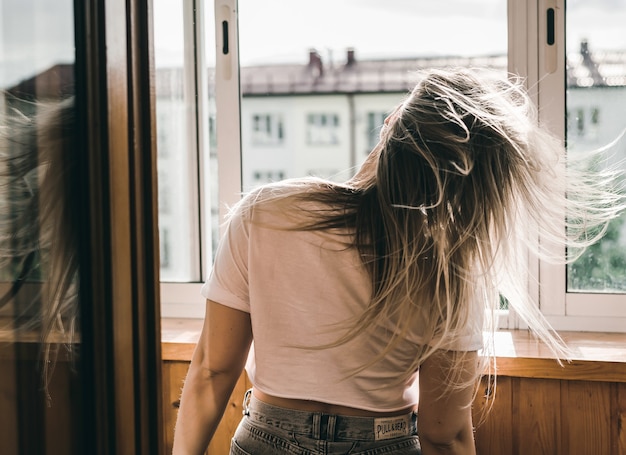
390	28
36	34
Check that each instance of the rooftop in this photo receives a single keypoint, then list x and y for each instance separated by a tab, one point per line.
585	68
353	76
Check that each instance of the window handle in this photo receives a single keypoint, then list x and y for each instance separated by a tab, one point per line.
225	37
551	46
550	26
225	27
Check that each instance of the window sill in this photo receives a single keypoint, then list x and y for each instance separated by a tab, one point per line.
598	356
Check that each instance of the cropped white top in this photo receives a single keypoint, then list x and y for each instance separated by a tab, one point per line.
302	290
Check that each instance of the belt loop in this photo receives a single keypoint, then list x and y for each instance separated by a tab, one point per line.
246	402
316	428
330	428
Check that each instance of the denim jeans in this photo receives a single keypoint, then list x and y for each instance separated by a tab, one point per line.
271	430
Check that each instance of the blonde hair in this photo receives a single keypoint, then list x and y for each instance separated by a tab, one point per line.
462	185
38	188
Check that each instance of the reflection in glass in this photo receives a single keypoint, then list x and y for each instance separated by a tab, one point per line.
596	116
317	87
39	332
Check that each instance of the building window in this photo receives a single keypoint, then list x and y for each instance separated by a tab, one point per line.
267	129
260	177
375	121
164	236
585	122
595	116
327	173
212	133
165	191
322	129
580	122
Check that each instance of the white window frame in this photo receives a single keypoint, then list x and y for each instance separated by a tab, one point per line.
183	300
543	68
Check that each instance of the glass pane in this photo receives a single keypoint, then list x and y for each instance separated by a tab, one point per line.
596	115
40	409
184	97
317	87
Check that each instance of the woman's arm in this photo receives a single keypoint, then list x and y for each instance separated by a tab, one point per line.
445	414
216	365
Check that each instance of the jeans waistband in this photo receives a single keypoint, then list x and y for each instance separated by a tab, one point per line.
329	427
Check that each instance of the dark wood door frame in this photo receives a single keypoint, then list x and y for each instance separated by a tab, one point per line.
120	316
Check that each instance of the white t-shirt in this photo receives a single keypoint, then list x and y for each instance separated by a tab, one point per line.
302	290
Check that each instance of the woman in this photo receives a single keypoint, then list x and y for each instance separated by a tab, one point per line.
352	292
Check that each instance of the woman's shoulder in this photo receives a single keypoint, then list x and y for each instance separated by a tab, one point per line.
291	199
291	191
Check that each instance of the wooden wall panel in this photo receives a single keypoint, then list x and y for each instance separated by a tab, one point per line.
618	419
30	421
528	416
60	418
537	417
220	444
8	401
174	374
493	418
586	410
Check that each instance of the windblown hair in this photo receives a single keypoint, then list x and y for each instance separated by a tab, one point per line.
38	234
448	205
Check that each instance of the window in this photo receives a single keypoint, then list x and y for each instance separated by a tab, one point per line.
303	101
186	149
589	294
40	410
603	266
261	177
165	196
164	238
267	129
327	83
322	129
375	121
322	171
316	110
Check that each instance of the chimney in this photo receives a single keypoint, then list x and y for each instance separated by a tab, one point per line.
584	47
590	63
315	63
350	58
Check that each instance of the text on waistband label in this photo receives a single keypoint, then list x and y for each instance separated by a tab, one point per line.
388	428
